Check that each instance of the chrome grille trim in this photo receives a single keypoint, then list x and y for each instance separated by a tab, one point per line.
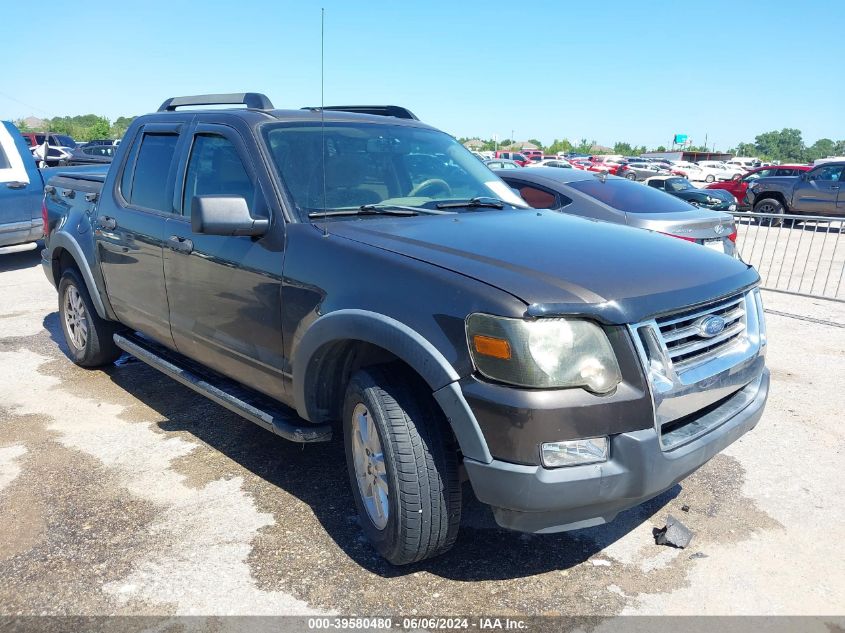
686	346
688	373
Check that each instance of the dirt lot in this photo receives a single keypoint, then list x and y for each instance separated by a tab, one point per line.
122	492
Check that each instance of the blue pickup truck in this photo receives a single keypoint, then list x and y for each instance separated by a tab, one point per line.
21	190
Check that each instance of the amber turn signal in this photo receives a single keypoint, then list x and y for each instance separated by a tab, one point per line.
490	346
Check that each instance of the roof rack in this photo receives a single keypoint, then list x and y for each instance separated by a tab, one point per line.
381	110
253	100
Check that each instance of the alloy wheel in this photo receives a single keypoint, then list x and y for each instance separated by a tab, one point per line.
76	318
370	470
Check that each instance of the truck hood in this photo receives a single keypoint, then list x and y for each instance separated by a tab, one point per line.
560	264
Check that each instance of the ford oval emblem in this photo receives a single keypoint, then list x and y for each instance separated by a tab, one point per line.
711	326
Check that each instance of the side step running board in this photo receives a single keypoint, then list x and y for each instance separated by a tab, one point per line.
247	403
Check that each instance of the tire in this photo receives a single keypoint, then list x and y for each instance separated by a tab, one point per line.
88	337
771	206
418	469
631	176
709	178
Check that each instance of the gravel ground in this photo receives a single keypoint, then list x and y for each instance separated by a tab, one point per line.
122	492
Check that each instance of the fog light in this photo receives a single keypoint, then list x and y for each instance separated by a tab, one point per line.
575	452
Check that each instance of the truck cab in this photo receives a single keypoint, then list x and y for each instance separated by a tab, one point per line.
21	190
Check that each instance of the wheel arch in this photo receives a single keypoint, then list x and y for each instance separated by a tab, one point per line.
339	343
66	252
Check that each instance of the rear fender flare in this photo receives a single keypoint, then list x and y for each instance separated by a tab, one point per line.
61	240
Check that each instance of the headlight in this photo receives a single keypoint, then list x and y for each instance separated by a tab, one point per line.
546	353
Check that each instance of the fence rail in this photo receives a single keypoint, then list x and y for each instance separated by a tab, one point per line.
796	254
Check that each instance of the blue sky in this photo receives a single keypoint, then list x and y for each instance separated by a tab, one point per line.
636	72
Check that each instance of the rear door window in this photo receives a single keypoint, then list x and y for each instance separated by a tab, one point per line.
152	168
4	160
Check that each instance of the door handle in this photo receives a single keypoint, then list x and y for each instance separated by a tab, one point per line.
16	185
180	244
107	223
834	187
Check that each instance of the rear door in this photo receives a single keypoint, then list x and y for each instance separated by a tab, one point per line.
225	291
817	193
21	189
130	231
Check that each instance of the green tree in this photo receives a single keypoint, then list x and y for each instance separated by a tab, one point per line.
745	149
99	129
623	148
822	148
560	146
784	146
660	148
21	125
584	147
537	143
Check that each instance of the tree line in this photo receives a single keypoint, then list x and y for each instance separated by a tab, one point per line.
83	127
785	146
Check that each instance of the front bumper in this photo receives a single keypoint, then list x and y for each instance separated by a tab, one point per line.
537	499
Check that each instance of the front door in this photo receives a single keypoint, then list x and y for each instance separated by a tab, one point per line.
225	291
130	232
817	192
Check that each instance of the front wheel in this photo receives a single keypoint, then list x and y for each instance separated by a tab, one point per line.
709	178
631	176
402	463
89	338
773	208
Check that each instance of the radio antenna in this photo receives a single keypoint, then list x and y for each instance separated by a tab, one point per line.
323	117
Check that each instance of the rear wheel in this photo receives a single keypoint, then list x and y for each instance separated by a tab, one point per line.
631	176
89	338
402	463
709	178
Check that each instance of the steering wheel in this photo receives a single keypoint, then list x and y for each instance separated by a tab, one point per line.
433	184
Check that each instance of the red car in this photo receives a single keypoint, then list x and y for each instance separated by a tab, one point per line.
516	157
602	164
581	164
739	185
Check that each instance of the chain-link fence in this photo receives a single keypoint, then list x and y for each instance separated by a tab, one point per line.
797	254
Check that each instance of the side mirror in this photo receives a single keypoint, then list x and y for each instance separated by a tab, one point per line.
225	215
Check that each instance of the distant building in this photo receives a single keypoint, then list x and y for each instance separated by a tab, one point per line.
474	144
34	123
600	149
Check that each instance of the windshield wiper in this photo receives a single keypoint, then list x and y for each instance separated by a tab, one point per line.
376	209
473	203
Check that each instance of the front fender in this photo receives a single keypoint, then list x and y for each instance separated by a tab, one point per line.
407	345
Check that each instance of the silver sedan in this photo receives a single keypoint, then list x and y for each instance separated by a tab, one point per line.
622	201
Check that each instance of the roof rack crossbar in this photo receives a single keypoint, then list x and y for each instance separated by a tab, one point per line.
381	110
253	100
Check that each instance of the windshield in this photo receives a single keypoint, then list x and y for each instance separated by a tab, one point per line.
65	141
630	196
378	164
678	184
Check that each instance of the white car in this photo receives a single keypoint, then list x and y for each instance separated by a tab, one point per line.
551	162
713	170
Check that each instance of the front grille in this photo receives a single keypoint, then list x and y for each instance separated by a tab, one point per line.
687	347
